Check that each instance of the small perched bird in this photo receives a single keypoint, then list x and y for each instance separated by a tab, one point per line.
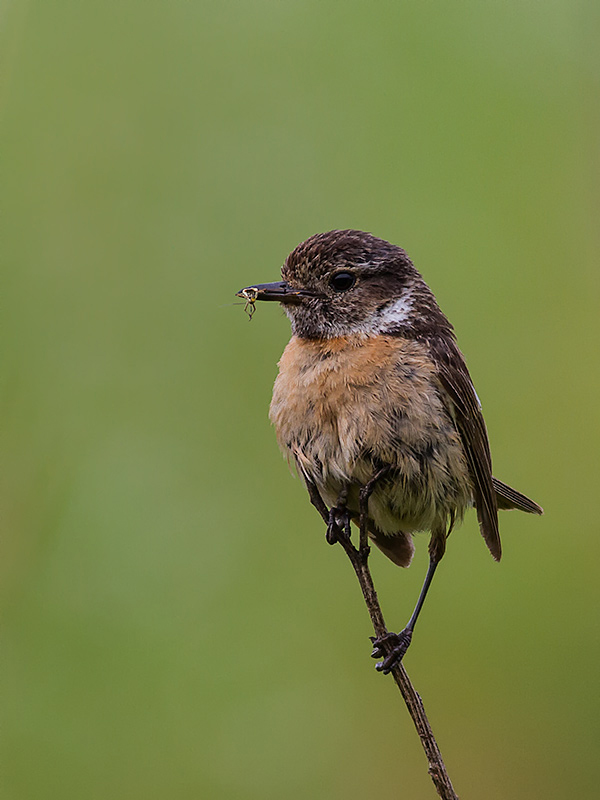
373	380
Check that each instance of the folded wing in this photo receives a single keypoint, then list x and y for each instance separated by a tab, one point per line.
463	405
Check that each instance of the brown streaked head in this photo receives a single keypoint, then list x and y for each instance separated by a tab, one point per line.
346	282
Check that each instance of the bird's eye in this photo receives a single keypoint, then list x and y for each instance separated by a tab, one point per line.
342	281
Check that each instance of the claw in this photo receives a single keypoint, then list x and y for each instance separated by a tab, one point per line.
393	646
379	642
339	520
332	533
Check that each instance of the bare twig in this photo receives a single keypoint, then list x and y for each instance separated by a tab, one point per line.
359	558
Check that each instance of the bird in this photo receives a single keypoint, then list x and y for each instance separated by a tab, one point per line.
373	381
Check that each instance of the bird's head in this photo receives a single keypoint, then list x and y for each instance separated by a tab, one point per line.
348	282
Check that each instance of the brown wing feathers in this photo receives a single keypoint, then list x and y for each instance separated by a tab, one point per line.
455	379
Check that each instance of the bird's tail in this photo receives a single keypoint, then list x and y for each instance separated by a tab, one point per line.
507	497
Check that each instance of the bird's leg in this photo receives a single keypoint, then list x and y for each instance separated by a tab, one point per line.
339	519
364	495
393	646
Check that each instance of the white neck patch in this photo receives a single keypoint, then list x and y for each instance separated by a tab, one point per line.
396	313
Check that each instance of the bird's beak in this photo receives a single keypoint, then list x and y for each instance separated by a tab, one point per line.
279	291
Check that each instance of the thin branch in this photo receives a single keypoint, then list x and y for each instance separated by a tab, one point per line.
359	558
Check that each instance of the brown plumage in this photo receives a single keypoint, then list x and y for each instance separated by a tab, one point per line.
372	378
346	405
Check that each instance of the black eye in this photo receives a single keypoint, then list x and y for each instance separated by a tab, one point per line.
342	281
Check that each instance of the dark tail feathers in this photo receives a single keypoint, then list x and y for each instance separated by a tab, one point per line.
510	498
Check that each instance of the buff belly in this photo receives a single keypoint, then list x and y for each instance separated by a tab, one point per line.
344	407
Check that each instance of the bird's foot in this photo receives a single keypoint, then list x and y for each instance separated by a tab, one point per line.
392	647
339	524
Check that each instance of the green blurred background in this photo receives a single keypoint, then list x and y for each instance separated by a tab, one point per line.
174	624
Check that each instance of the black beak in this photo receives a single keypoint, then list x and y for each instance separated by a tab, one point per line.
279	291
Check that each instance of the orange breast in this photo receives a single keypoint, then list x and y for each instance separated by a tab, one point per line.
340	405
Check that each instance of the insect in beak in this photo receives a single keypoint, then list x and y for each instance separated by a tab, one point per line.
250	295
